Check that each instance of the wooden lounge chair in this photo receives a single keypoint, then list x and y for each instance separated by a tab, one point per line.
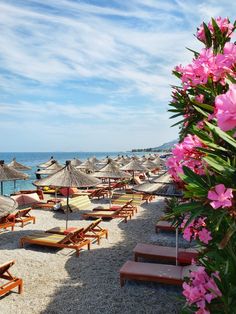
110	214
45	205
165	226
77	203
7	222
99	193
73	240
23	216
93	230
157	252
121	199
168	274
126	208
10	282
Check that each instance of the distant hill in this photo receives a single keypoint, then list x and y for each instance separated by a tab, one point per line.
164	147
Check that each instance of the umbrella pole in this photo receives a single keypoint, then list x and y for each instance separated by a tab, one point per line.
176	244
109	185
14	189
67	208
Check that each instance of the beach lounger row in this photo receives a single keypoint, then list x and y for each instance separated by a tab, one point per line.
21	216
72	238
162	273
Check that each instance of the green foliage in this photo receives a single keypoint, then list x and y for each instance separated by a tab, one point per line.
219	159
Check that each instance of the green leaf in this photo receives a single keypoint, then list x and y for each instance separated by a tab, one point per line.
222	134
205	114
195	178
204	106
207	35
219	164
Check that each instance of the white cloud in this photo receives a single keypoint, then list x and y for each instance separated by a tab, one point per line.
117	53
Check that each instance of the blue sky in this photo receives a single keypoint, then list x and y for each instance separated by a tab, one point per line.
93	75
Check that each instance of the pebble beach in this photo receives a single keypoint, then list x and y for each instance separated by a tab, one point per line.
58	281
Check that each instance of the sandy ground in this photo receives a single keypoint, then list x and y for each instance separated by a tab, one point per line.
57	281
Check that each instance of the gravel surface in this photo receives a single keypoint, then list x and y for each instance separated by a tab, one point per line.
57	281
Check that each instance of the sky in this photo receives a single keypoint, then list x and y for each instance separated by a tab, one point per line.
94	75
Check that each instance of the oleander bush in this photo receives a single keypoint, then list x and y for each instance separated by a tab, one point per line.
204	166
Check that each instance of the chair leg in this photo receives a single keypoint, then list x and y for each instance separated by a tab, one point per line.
20	287
122	281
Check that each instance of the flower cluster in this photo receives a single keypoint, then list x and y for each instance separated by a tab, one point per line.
225	26
209	66
186	154
225	107
201	289
220	197
196	229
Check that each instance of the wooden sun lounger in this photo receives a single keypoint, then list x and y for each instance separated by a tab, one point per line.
165	226
7	222
157	252
73	240
107	214
93	230
23	216
167	274
126	208
11	281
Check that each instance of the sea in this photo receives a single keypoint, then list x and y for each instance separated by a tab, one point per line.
35	158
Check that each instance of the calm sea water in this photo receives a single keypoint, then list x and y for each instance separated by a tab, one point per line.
34	159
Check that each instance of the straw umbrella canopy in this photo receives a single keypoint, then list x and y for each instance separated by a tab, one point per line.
111	171
157	161
10	174
7	205
16	165
133	166
54	167
149	164
47	163
88	166
75	162
68	177
123	160
94	160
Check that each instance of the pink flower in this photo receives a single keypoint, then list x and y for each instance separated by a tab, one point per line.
225	26
204	235
200	289
226	109
221	197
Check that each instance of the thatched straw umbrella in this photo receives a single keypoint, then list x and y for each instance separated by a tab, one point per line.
149	164
47	163
88	166
68	177
54	167
7	205
16	165
75	162
133	166
10	174
94	160
111	171
157	161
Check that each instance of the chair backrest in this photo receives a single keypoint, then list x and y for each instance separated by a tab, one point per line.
96	223
72	237
121	199
4	267
128	204
23	212
77	203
